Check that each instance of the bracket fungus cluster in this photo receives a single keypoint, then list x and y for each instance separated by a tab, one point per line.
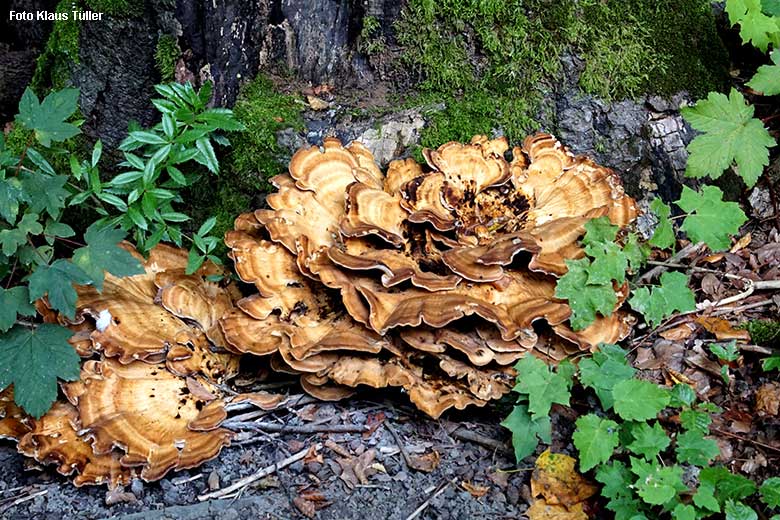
148	400
434	278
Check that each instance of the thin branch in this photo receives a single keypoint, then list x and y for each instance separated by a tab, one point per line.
284	428
682	253
262	473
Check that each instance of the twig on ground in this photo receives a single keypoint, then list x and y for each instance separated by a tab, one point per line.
397	439
746	307
442	487
477	438
268	470
745	439
9	503
284	428
682	253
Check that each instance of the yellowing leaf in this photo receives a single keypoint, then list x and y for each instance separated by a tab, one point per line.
555	479
540	510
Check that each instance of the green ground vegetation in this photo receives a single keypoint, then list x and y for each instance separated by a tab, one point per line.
166	54
122	8
494	60
52	68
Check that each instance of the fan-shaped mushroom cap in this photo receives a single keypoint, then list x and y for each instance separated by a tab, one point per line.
320	388
145	411
13	420
53	439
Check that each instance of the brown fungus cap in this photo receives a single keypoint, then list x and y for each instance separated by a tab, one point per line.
434	278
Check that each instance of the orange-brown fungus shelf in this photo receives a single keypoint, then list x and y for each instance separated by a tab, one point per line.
435	278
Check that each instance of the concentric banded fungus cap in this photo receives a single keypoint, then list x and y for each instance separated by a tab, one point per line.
13	420
434	278
53	439
146	412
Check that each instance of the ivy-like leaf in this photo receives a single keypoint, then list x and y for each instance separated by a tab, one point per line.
648	441
770	492
694	448
11	194
32	359
727	485
47	119
543	386
767	77
684	512
755	26
639	400
710	220
663	236
45	192
657	484
527	431
13	301
56	280
730	135
660	302
739	511
102	253
585	300
595	439
603	370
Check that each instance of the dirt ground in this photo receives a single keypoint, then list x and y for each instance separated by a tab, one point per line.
353	476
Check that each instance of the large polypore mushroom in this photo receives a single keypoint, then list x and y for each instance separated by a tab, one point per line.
434	278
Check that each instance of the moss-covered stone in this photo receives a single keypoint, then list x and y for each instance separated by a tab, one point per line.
264	111
166	54
53	66
494	60
124	8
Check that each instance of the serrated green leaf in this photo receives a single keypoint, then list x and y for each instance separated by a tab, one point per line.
595	439
710	220
663	236
13	301
648	441
755	26
603	371
608	262
636	252
767	78
102	253
599	230
725	351
727	485
207	226
684	512
657	484
617	480
705	497
11	194
739	511
731	135
47	119
694	448
32	359
11	239
207	156
659	302
770	492
45	192
56	281
682	395
639	400
585	300
146	137
527	431
543	386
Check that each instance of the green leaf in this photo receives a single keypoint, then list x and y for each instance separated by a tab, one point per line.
11	194
767	77
695	420
739	511
616	478
13	301
770	492
660	302
527	431
47	119
207	226
684	512
657	484
207	156
731	135
543	386
608	263
32	359
40	161
771	7
682	395
45	192
770	363
102	253
595	439
194	261
710	220
726	351
694	448
603	371
599	230
639	400
727	485
11	239
57	281
648	441
585	300
147	137
663	236
755	26
705	497
635	252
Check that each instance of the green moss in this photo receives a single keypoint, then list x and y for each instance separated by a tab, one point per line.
123	8
264	111
371	40
224	199
513	47
18	139
53	66
166	55
764	332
